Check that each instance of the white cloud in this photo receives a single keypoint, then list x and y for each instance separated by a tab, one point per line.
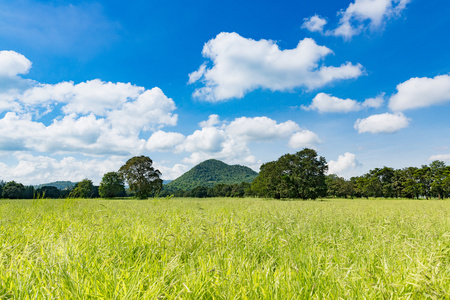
170	173
13	63
326	103
150	111
304	139
314	23
375	12
93	96
260	128
31	169
242	65
212	121
208	139
386	122
231	142
358	16
421	92
342	164
376	102
117	133
70	134
165	141
443	157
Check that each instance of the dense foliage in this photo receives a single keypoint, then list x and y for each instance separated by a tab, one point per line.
142	178
84	189
112	185
431	181
210	173
300	175
242	189
13	190
48	192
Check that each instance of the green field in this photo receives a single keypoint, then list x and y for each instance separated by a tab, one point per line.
224	249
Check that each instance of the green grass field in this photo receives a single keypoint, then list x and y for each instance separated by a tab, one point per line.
224	249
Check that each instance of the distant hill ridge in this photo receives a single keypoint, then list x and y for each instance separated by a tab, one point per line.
59	184
209	173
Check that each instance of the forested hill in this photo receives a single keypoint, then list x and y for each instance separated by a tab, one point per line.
59	184
210	173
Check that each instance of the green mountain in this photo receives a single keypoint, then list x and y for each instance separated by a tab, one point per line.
210	173
59	184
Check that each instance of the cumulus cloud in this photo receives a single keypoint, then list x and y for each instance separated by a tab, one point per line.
342	164
13	63
231	141
150	111
87	134
304	139
93	96
212	121
376	102
208	139
165	141
386	122
260	128
97	117
421	92
170	173
325	103
359	16
374	12
314	23
241	65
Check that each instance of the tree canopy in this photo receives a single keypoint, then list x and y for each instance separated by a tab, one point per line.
112	185
300	175
13	190
84	189
142	178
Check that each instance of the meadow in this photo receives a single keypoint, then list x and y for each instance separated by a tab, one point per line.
224	249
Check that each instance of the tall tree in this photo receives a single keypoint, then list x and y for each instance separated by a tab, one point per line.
438	175
83	189
299	175
112	185
13	190
142	178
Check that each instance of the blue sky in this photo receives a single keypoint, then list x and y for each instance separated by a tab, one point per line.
85	85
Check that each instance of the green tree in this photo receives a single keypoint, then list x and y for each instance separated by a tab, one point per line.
2	184
48	192
299	175
112	185
83	189
438	175
13	190
142	178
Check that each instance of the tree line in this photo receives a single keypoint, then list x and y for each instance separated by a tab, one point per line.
143	181
298	176
428	181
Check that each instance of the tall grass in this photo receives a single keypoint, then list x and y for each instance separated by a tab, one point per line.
224	249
